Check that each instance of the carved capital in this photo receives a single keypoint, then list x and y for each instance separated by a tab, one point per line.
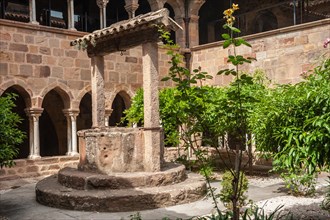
33	113
71	113
102	3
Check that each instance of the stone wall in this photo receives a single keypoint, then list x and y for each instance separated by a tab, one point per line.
284	54
40	58
25	168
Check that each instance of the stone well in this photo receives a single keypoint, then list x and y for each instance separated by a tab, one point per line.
122	169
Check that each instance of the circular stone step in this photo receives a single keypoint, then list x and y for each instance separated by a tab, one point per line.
51	193
83	180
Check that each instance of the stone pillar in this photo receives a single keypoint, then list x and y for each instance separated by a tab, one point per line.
98	99
193	30
103	12
71	15
130	7
32	9
108	113
180	34
152	136
71	116
34	114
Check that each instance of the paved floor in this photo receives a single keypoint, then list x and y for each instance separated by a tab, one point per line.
17	201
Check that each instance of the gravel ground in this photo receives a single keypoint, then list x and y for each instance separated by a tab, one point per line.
300	207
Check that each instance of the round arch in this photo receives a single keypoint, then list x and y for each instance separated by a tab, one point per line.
155	5
144	7
178	6
265	21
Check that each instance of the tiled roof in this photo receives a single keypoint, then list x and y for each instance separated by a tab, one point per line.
138	23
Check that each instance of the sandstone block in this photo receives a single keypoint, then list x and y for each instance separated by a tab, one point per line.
131	59
6	56
29	39
18	38
18	47
44	71
57	72
19	57
5	36
32	58
45	50
32	169
26	70
85	74
71	53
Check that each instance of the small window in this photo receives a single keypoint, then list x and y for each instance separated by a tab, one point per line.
16	10
52	13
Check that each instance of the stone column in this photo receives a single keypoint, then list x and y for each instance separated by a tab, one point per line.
152	137
32	9
130	7
193	30
103	12
71	15
71	116
98	99
180	34
34	114
108	113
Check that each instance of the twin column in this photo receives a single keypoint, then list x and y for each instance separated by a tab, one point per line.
34	114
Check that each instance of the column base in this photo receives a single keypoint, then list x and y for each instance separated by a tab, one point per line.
72	154
34	22
33	157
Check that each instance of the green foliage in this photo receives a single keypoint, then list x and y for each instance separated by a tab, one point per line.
227	190
293	122
300	184
10	135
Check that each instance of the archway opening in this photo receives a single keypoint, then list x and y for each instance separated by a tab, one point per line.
20	105
53	126
211	21
52	13
172	15
116	12
119	105
144	7
265	21
84	119
86	15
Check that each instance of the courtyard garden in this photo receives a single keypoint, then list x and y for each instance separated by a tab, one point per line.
250	118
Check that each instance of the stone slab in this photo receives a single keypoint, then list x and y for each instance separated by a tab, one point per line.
51	193
73	178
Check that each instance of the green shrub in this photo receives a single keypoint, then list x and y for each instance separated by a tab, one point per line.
227	191
10	135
